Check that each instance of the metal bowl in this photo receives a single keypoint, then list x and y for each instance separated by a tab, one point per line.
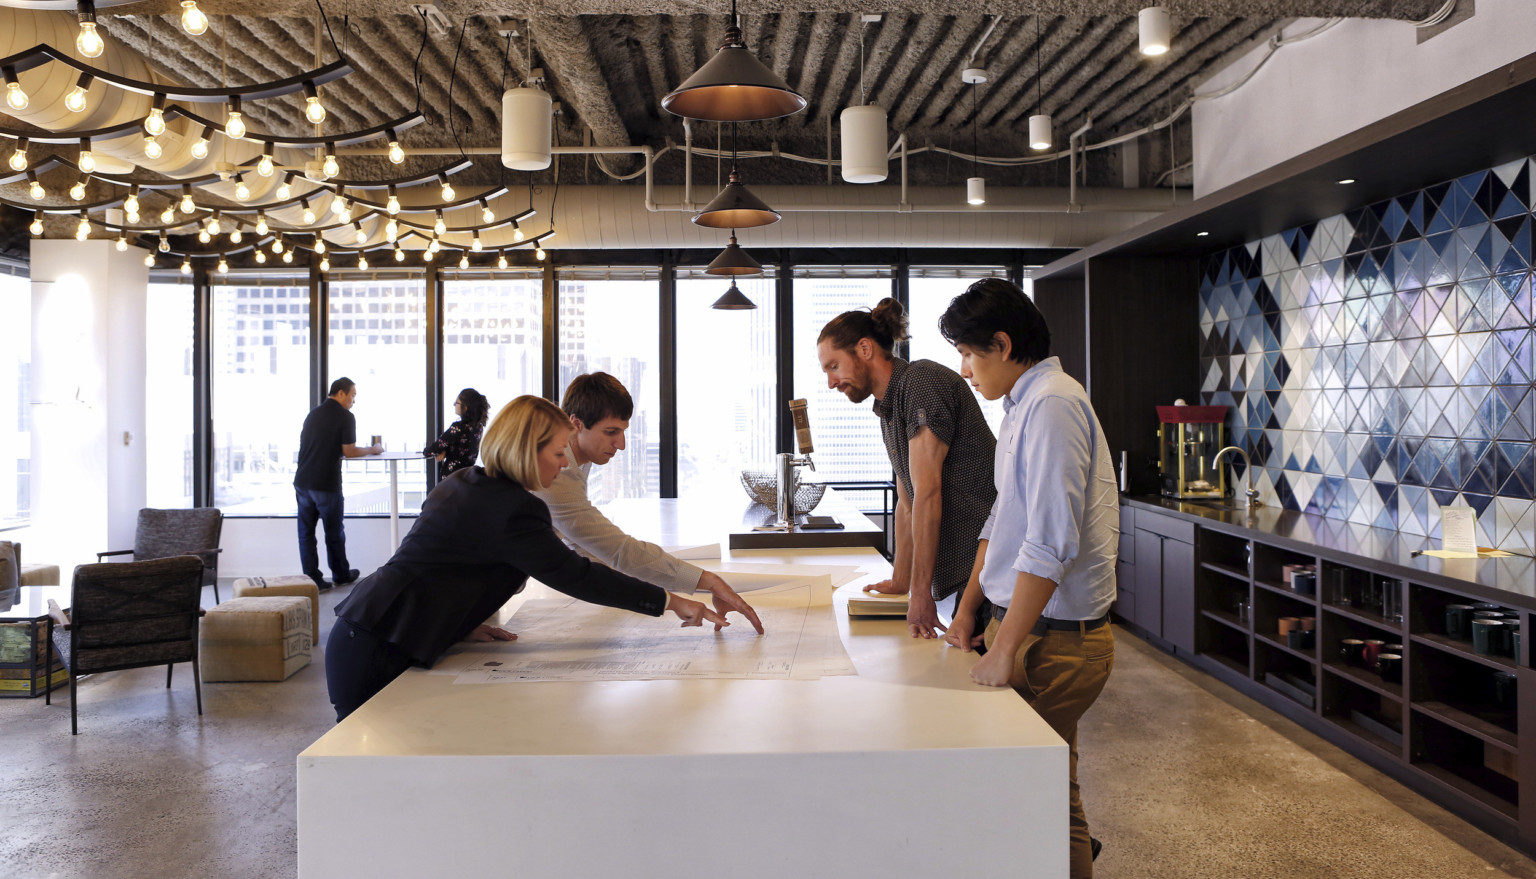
763	487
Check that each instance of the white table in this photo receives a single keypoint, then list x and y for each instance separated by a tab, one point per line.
886	773
394	459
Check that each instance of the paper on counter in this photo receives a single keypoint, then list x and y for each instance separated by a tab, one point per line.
1458	531
691	552
1480	554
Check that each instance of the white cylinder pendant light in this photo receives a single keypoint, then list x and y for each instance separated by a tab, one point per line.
864	150
976	190
1155	29
1040	131
527	120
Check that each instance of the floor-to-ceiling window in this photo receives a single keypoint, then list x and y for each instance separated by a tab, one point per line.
846	435
15	399
377	336
493	337
929	291
168	395
609	322
260	388
726	382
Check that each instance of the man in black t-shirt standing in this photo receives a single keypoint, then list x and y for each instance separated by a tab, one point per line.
329	434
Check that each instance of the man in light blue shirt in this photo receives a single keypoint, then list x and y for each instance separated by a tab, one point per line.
1046	558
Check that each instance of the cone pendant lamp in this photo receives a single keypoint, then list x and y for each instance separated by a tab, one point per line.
734	261
733	300
736	208
733	86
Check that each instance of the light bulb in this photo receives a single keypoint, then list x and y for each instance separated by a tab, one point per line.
19	160
75	101
37	225
223	266
362	261
399	255
264	165
309	216
187	204
331	168
193	21
396	153
131	204
88	42
261	224
132	216
37	191
501	261
345	214
200	148
83	231
391	230
319	244
165	244
204	237
149	260
277	245
325	264
428	255
517	232
393	205
463	260
539	253
487	215
288	257
435	245
87	161
168	215
236	236
186	266
339	204
314	111
152	148
261	257
235	126
448	192
284	191
122	244
440	226
214	226
15	98
361	235
154	123
242	192
476	245
77	192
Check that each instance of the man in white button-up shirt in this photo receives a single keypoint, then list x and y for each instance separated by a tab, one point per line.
1046	557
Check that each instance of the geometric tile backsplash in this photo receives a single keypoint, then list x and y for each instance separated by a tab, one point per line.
1379	363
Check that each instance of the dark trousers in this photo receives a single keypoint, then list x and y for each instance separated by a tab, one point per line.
327	507
358	665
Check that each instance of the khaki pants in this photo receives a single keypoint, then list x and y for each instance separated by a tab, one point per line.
1060	674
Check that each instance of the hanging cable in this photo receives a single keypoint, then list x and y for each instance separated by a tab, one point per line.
416	70
453	77
328	30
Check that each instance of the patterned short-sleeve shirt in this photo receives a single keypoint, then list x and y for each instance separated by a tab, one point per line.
459	445
927	394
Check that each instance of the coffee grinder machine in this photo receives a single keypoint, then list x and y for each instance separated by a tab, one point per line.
1187	440
788	466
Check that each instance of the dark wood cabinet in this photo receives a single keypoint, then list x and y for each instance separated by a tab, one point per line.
1163	578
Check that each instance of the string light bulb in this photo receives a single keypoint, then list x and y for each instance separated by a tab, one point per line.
319	244
362	261
200	146
361	236
330	168
264	165
223	266
476	245
285	189
501	260
396	153
314	111
152	148
154	123
428	255
325	264
149	260
214	226
122	243
193	21
277	243
15	98
168	215
288	257
77	192
88	42
517	231
165	243
83	231
463	260
234	123
448	193
86	162
37	191
131	203
37	224
78	99
393	205
236	236
391	230
186	266
242	192
339	201
539	253
204	237
440	226
18	160
261	223
399	254
486	214
434	245
187	204
261	257
309	213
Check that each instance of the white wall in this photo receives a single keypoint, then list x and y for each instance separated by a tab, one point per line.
268	547
87	395
1356	73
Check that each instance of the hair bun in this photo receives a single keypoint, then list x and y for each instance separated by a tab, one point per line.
890	320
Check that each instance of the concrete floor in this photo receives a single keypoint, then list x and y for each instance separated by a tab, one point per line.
1182	778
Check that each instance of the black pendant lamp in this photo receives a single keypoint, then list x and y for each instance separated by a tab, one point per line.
733	86
734	261
736	208
733	300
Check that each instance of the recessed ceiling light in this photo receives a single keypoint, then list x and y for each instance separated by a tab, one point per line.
1346	181
1202	234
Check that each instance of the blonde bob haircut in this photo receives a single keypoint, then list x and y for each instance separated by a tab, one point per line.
511	445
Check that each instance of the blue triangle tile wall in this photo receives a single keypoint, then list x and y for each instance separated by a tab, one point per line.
1380	363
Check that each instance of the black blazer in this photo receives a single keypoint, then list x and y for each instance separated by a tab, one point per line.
478	540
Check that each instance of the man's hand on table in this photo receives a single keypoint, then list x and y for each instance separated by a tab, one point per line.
923	616
993	670
886	587
960	633
486	632
725	600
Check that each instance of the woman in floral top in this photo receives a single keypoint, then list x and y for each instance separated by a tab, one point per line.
459	445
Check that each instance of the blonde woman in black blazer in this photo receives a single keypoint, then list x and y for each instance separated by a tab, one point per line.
480	536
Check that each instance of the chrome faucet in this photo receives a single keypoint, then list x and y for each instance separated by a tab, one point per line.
1252	493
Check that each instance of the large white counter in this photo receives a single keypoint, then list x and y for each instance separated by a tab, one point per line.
906	769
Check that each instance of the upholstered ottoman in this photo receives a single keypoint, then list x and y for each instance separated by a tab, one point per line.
256	639
39	575
289	584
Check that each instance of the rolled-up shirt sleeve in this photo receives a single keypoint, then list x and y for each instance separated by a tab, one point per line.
1056	455
591	533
